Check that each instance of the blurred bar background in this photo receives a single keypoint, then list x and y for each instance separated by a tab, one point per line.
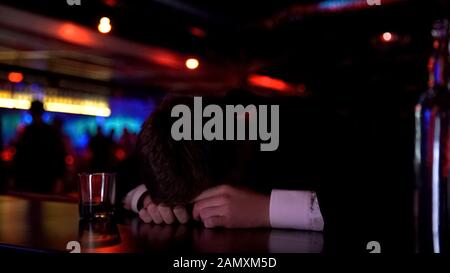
101	67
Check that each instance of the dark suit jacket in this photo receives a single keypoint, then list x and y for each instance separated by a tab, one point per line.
359	160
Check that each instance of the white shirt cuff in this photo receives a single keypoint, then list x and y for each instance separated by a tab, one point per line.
295	210
132	198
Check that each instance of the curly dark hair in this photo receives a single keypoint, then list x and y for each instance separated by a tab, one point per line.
176	171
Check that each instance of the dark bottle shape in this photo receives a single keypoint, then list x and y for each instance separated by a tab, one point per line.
432	150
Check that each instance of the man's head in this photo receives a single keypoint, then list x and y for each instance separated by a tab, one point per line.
37	110
173	171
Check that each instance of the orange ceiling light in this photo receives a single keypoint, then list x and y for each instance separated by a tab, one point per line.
192	63
105	25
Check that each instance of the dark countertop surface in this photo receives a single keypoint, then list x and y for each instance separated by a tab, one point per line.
35	225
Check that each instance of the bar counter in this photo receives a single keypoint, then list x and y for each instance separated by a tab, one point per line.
34	225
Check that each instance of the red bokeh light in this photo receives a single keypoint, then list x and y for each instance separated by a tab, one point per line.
197	32
111	3
166	59
270	83
436	44
15	77
8	154
120	154
75	34
69	160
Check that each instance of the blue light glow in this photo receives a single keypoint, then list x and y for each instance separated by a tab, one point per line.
337	4
35	87
27	119
46	117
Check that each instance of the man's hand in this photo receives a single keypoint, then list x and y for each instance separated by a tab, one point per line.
159	214
230	207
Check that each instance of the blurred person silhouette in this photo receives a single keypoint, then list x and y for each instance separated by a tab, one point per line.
69	156
127	141
114	146
58	125
39	159
102	152
112	133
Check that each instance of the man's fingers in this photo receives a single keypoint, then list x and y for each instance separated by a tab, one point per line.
181	214
166	214
147	200
145	216
152	209
215	221
211	192
209	202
